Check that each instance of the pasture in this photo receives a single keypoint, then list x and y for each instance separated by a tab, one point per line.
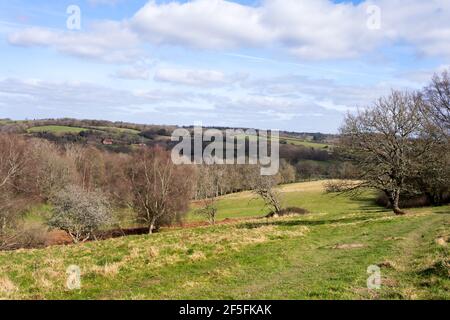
322	255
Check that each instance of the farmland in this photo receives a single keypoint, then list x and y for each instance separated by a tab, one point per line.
284	139
68	129
56	129
321	255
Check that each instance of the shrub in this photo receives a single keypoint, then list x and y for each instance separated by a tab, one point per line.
80	213
32	237
288	211
406	202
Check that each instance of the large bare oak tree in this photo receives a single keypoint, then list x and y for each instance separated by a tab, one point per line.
387	143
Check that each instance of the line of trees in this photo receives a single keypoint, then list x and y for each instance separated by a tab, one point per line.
86	185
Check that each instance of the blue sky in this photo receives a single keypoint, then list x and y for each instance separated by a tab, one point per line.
277	64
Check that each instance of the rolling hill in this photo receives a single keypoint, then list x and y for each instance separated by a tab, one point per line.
322	255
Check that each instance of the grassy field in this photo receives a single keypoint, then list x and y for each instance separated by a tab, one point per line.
75	130
117	130
56	129
323	255
291	140
300	142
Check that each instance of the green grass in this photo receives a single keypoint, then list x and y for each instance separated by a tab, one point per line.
56	129
37	214
245	204
118	130
283	258
292	141
67	129
300	142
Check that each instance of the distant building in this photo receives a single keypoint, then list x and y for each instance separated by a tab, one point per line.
108	142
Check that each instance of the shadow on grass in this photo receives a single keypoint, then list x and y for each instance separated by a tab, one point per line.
291	223
440	268
445	209
368	205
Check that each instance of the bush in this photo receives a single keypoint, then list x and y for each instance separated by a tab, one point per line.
287	212
80	213
32	237
412	202
333	187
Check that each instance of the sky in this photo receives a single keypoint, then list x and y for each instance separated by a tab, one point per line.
297	65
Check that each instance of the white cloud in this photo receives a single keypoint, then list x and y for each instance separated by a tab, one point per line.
313	29
27	96
319	29
198	78
211	24
107	41
423	24
324	92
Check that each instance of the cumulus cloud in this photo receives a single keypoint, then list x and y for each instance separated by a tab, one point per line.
319	29
423	24
313	29
107	41
197	78
211	24
326	93
29	97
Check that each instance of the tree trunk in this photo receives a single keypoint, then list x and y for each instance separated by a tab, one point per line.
394	199
213	217
151	227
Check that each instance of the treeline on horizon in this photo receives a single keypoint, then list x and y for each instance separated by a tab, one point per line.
307	162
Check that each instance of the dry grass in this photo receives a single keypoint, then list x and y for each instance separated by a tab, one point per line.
108	270
442	241
313	186
197	255
150	252
7	287
220	261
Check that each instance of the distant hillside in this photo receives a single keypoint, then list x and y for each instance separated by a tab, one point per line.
125	133
312	154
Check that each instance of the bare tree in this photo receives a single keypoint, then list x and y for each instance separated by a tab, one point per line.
12	158
161	190
437	96
208	184
434	180
387	143
89	163
13	162
53	171
264	188
287	172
